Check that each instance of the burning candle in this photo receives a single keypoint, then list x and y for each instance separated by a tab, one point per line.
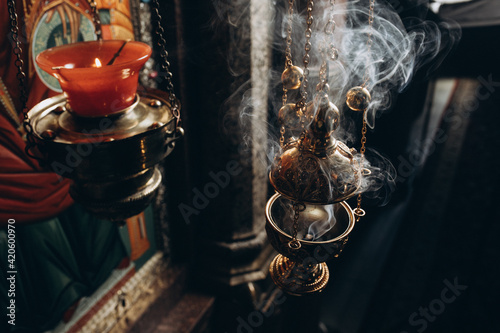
93	89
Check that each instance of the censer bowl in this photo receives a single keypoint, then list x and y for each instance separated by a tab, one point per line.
302	271
98	78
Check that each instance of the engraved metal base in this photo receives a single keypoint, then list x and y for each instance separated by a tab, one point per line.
123	204
296	279
302	270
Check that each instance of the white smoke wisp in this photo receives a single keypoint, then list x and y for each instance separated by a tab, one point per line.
320	218
383	57
314	221
379	181
396	51
386	66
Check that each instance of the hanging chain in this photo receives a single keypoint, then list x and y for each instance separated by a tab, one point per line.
363	136
282	136
295	244
27	130
288	49
307	58
96	19
323	76
21	76
327	49
329	30
358	211
288	64
369	41
165	65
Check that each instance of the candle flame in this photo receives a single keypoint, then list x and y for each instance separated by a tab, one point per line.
97	63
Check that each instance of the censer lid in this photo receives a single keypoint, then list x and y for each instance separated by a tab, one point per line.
315	168
323	179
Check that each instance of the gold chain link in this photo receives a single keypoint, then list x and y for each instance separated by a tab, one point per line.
295	244
329	30
95	18
323	76
296	213
301	105
285	96
363	136
17	50
21	77
307	58
359	212
288	50
165	64
288	63
369	41
282	137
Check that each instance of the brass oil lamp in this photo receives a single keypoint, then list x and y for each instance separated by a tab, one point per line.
308	219
103	132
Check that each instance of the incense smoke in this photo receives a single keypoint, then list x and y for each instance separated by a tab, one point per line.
387	65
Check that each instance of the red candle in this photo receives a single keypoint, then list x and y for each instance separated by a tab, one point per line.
98	78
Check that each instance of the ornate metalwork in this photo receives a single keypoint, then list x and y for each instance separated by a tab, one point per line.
302	270
111	159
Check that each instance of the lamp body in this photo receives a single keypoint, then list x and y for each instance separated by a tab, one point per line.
111	160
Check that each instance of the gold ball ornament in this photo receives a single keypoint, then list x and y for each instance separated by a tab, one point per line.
358	98
289	116
292	77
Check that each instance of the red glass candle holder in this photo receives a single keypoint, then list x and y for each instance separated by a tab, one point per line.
99	78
